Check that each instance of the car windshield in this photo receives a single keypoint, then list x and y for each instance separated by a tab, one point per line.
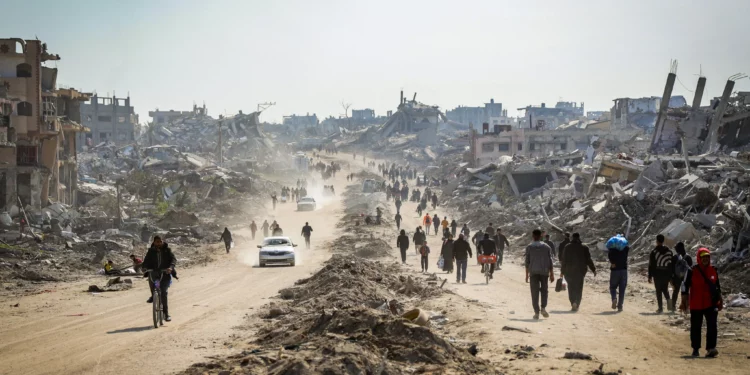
275	242
307	200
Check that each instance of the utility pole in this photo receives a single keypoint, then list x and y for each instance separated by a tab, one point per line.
221	155
263	106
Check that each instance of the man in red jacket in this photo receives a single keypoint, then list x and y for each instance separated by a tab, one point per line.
702	289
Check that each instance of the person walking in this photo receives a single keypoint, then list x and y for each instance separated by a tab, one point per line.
447	252
682	264
454	226
701	292
574	268
398	204
265	227
501	242
490	230
424	252
461	253
660	270
418	239
227	237
550	244
445	223
253	228
397	218
274	200
618	275
466	231
307	232
427	222
561	247
419	210
402	242
475	239
538	260
436	223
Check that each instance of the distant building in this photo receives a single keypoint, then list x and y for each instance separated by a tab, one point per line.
488	144
167	117
598	115
363	114
640	112
545	118
298	122
110	119
476	115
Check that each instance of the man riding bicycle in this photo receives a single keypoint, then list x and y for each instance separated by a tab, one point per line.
160	258
487	247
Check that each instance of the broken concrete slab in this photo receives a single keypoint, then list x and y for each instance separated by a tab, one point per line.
707	220
678	231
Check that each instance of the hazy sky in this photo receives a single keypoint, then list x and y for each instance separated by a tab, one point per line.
309	56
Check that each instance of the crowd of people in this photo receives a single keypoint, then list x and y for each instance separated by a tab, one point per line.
697	284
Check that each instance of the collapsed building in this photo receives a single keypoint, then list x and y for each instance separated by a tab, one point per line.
110	119
38	126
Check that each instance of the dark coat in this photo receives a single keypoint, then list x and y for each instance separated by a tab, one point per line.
487	247
159	259
561	248
447	253
418	238
402	241
577	258
461	249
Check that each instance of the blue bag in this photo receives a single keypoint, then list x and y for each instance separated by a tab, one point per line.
617	242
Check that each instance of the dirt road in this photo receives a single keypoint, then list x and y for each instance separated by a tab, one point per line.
71	332
634	341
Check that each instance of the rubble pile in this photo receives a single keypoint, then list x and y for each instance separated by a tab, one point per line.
701	201
345	319
127	194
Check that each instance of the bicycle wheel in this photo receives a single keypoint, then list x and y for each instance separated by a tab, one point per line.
156	307
487	275
161	311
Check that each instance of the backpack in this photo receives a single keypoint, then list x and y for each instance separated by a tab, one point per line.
681	266
424	250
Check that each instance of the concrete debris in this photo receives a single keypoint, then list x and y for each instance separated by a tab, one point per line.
335	318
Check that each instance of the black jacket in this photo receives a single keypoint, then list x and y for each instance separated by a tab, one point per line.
561	248
660	262
487	247
226	236
619	258
418	238
551	246
307	230
577	258
461	249
501	241
159	259
402	241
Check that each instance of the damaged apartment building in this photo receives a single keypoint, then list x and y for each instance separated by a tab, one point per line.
695	130
38	128
492	142
111	119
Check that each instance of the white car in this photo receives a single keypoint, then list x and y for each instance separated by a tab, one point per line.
306	204
277	250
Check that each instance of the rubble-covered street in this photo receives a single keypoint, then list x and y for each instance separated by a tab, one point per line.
486	188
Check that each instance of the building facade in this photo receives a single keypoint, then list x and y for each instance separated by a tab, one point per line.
476	115
548	118
366	114
36	119
298	122
168	117
109	119
488	146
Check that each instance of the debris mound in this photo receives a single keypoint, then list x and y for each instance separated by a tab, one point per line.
339	321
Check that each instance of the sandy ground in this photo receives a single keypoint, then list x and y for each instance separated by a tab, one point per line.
635	341
70	331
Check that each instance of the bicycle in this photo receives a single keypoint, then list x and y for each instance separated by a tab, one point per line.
486	261
158	312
